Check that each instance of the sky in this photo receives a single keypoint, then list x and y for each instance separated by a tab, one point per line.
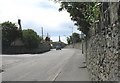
35	14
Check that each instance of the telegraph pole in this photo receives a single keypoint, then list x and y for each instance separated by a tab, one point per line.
82	36
72	38
42	32
47	35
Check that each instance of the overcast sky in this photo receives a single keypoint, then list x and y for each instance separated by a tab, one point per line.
35	14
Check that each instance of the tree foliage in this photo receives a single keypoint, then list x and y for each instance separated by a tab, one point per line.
10	32
47	39
69	40
31	39
83	13
75	38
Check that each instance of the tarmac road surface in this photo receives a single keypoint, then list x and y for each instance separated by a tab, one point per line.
42	67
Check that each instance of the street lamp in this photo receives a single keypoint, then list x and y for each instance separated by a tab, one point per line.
82	36
66	38
42	32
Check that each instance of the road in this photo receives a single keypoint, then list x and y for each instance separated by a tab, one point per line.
36	67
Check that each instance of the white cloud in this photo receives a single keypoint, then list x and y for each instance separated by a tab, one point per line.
35	14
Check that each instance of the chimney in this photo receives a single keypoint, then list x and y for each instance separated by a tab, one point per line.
59	39
19	23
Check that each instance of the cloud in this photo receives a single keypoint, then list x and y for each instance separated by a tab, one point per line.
45	5
35	14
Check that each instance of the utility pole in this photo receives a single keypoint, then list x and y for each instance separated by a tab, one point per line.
72	38
42	32
47	35
82	41
72	30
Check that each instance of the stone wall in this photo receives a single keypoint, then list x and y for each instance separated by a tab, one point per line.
76	46
103	49
0	40
43	47
102	56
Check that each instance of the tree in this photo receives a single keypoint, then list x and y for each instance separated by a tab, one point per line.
47	39
31	39
83	13
68	40
76	37
10	32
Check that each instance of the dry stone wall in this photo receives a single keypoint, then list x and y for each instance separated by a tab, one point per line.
103	50
102	55
43	47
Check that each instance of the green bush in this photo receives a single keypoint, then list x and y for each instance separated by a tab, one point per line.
10	33
31	39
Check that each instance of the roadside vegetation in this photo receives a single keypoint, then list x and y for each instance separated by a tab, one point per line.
31	39
10	32
84	14
74	38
